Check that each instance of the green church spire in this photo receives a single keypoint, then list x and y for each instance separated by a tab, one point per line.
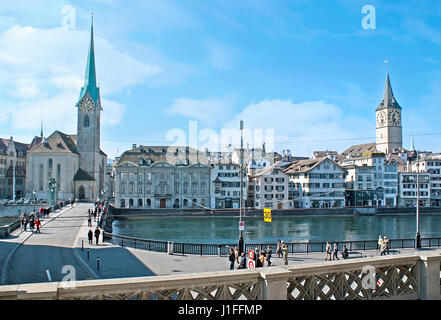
90	84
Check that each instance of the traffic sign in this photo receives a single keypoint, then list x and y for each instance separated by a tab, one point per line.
251	264
267	215
241	225
251	254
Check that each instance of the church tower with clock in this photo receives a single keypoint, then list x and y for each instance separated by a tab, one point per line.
88	129
389	130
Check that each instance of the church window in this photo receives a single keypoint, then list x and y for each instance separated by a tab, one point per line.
86	122
41	178
49	169
58	176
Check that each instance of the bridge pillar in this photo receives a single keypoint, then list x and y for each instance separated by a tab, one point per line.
429	275
274	283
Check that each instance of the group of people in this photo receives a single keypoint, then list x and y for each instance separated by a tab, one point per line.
91	233
332	254
259	257
383	245
32	221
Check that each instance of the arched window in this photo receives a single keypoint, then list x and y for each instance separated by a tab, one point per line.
86	121
185	202
49	169
149	202
123	203
41	178
58	176
139	202
130	203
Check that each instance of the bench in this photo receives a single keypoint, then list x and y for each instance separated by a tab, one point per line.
354	253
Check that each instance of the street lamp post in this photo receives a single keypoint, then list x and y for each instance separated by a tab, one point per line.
417	236
241	244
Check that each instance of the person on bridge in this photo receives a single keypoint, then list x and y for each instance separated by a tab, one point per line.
97	234
334	253
89	220
231	258
344	253
37	225
269	253
90	236
236	254
243	261
285	252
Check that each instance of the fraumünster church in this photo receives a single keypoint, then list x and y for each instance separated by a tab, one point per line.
75	161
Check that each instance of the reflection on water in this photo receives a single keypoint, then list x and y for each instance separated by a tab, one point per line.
314	228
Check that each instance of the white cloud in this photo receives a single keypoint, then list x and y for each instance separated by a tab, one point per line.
42	71
305	127
208	111
219	55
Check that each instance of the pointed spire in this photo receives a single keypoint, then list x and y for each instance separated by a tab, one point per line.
90	84
412	144
41	133
90	69
388	96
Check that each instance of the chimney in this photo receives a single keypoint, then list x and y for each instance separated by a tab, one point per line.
134	146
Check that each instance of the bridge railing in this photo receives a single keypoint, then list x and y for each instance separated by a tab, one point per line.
293	247
394	277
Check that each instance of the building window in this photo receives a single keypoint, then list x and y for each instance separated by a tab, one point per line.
139	202
49	169
58	176
86	121
41	178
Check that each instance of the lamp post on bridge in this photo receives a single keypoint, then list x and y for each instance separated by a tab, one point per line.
418	236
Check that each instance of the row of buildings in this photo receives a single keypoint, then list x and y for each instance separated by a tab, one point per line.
169	177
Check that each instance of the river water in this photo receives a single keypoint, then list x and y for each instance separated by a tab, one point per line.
294	228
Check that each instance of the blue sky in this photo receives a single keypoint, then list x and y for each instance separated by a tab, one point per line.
307	70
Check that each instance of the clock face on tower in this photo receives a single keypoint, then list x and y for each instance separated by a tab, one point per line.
86	105
394	118
381	119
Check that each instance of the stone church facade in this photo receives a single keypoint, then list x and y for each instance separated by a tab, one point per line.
75	161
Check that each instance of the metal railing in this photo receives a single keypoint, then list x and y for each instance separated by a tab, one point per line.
293	247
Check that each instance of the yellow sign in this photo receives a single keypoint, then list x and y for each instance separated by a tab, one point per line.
267	215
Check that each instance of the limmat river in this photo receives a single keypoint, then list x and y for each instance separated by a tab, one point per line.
290	229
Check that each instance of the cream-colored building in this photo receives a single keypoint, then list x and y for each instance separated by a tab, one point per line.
316	183
268	188
162	177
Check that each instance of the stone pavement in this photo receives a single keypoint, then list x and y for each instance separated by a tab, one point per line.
64	241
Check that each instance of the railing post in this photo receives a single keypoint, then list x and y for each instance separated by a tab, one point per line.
275	283
135	243
429	279
201	248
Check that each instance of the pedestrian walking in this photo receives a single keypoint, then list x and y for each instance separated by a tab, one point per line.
232	258
383	249
279	248
90	236
262	259
334	253
328	251
236	254
256	256
89	221
344	253
97	234
31	224
22	220
380	242
243	261
284	249
26	223
37	225
387	243
269	254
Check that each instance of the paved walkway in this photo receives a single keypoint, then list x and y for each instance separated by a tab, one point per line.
26	257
